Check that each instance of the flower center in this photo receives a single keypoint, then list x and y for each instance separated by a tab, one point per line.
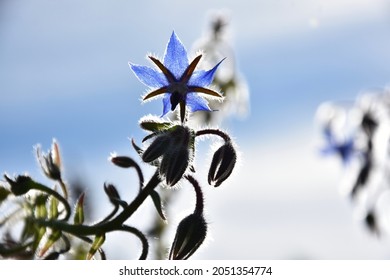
178	92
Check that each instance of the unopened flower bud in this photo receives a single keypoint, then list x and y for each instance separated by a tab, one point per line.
21	185
50	162
222	164
111	191
123	161
158	147
174	165
175	146
372	222
190	234
113	195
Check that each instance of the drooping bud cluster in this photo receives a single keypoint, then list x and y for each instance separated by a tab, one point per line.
174	148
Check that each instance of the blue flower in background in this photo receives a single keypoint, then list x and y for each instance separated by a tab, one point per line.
345	149
177	79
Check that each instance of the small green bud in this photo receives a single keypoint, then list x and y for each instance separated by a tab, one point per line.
53	237
96	244
78	218
53	212
4	193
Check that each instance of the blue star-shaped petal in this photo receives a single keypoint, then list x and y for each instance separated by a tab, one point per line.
177	79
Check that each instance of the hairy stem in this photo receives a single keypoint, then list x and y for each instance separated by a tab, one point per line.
115	224
57	196
141	236
217	132
199	195
64	188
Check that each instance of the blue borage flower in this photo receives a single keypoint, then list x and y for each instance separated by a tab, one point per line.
177	79
345	149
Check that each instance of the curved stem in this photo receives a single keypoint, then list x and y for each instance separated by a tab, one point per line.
109	216
10	216
67	245
133	206
126	162
58	196
141	236
107	226
64	188
14	250
199	206
217	132
140	176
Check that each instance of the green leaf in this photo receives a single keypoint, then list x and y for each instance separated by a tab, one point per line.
136	147
53	237
28	230
40	206
79	211
157	203
154	125
147	137
40	213
4	194
40	232
53	210
96	244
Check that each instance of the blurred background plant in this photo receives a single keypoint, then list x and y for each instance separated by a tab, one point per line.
215	43
358	132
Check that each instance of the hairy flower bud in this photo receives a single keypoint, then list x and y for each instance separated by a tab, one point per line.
222	164
21	185
113	195
190	234
123	161
158	147
175	147
50	162
111	191
174	165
